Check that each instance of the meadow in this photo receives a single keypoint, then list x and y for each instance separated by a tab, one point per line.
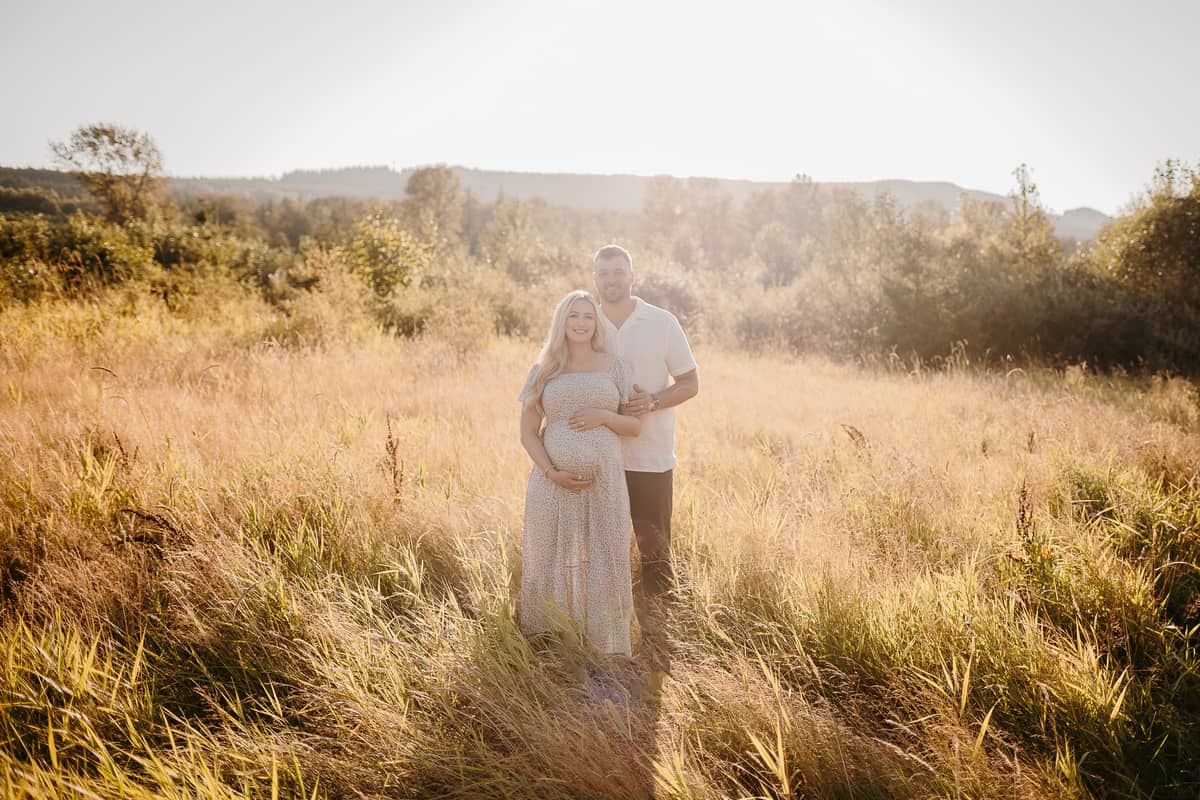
235	564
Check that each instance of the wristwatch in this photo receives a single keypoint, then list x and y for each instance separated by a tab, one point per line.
654	402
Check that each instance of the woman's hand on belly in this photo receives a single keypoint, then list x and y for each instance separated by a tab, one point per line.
572	483
587	418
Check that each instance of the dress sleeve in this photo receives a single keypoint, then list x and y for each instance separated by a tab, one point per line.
620	373
526	395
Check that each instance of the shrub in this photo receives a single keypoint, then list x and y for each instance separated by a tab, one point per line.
84	251
385	254
665	284
28	279
29	201
1153	253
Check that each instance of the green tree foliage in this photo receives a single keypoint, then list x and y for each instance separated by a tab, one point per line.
665	285
386	255
846	231
475	217
798	210
917	290
664	204
694	220
29	200
84	252
121	166
1153	254
433	207
1030	233
800	206
711	214
783	256
810	267
286	221
510	242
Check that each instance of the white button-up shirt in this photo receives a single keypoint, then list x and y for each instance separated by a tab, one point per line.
653	346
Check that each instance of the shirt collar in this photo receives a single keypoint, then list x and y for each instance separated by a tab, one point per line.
641	310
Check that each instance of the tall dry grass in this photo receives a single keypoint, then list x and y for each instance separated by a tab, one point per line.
232	568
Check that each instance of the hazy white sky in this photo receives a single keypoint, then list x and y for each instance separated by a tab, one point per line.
1090	95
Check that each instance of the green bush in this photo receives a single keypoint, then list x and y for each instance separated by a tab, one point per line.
85	252
29	201
668	286
177	246
25	280
1153	254
385	254
806	267
26	237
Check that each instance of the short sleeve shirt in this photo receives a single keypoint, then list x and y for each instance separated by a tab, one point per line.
655	349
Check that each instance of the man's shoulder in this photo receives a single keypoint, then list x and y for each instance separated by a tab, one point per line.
658	312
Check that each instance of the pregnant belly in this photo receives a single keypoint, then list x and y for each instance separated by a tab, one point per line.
580	452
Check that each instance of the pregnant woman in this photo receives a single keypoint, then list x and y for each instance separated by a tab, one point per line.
575	543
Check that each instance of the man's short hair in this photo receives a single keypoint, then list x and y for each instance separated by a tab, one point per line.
613	251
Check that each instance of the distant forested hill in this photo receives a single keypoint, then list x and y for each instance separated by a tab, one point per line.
594	192
597	192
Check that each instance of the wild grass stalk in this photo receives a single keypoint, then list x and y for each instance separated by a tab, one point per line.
230	569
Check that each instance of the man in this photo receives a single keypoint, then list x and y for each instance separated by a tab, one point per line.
651	342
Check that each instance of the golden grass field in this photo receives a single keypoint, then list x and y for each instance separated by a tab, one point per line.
233	569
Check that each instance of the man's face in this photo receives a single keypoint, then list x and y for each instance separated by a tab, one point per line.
613	278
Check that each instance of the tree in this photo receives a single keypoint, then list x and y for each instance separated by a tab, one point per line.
800	205
433	207
1031	233
693	219
783	255
710	210
1153	253
1154	249
664	205
510	242
384	254
121	167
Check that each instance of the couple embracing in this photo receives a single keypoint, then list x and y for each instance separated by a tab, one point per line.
598	421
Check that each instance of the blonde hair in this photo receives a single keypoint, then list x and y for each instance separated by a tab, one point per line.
553	357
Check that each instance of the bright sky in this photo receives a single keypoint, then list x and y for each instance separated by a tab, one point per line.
1090	95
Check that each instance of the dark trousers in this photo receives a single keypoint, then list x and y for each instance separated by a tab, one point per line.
650	504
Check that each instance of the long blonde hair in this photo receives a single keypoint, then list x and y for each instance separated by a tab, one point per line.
553	357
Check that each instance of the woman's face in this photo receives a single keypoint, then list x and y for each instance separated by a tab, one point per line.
581	321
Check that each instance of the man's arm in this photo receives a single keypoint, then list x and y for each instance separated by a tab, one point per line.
685	387
686	383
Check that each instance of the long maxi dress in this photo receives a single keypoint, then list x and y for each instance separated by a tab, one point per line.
575	545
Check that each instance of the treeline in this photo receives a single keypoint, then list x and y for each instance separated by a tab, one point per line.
806	267
832	272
